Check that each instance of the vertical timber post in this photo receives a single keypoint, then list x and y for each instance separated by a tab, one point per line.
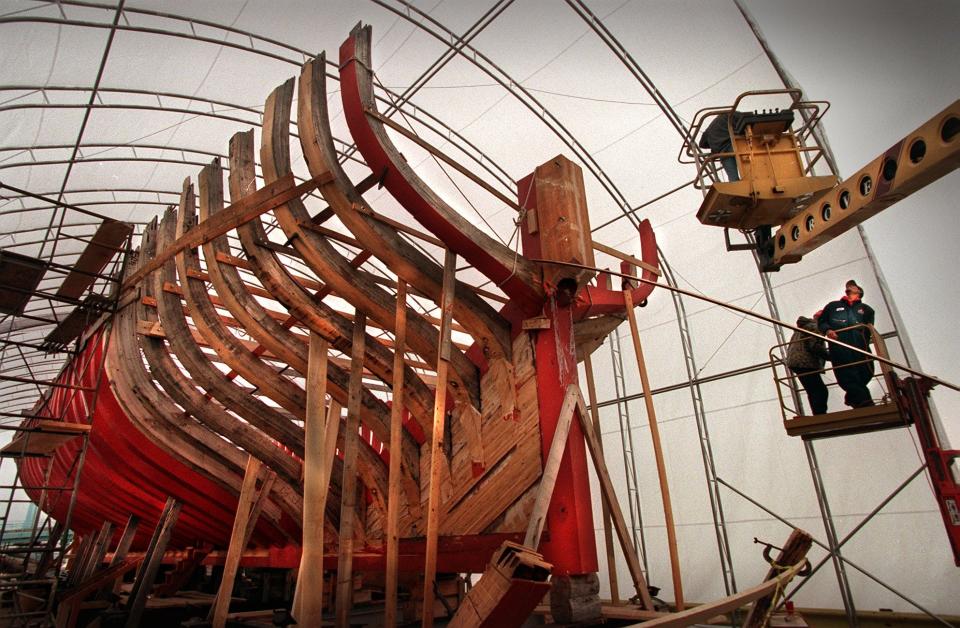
657	451
555	226
348	500
396	429
436	444
147	573
308	599
607	532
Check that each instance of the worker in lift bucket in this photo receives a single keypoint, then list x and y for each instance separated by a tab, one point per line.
853	370
806	355
717	138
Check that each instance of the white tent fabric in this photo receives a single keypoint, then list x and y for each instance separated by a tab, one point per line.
175	86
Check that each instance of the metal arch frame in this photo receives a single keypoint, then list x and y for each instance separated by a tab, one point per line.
221	43
480	158
571	142
495	72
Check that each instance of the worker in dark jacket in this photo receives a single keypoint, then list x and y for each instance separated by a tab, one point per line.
805	357
717	138
838	315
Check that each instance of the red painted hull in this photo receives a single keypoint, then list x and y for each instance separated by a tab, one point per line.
125	473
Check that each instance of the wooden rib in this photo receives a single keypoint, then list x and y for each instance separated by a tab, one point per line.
306	308
331	266
157	417
243	434
518	277
196	363
286	393
479	319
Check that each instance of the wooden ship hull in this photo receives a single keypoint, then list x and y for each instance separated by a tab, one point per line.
224	350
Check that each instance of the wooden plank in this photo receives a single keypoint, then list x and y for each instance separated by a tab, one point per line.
436	443
551	467
728	604
396	427
123	547
308	596
245	209
610	496
80	559
609	250
348	497
19	277
69	606
98	551
42	437
607	532
154	555
105	244
657	452
221	606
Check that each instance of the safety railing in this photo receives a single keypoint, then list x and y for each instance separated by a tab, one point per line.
883	414
708	164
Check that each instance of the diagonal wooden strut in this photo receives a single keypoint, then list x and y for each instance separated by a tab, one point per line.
573	404
248	511
610	496
247	208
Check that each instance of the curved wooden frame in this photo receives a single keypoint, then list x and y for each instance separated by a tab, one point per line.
334	269
213	415
517	276
316	140
311	311
198	365
274	385
180	436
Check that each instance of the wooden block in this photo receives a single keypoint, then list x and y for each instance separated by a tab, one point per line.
539	322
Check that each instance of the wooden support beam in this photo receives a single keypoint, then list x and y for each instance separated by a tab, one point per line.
68	608
123	547
98	551
308	596
610	497
245	209
657	452
436	444
704	612
348	498
243	523
609	250
607	532
151	563
396	429
551	467
80	559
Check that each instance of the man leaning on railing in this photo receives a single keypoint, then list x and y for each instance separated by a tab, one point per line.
853	370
